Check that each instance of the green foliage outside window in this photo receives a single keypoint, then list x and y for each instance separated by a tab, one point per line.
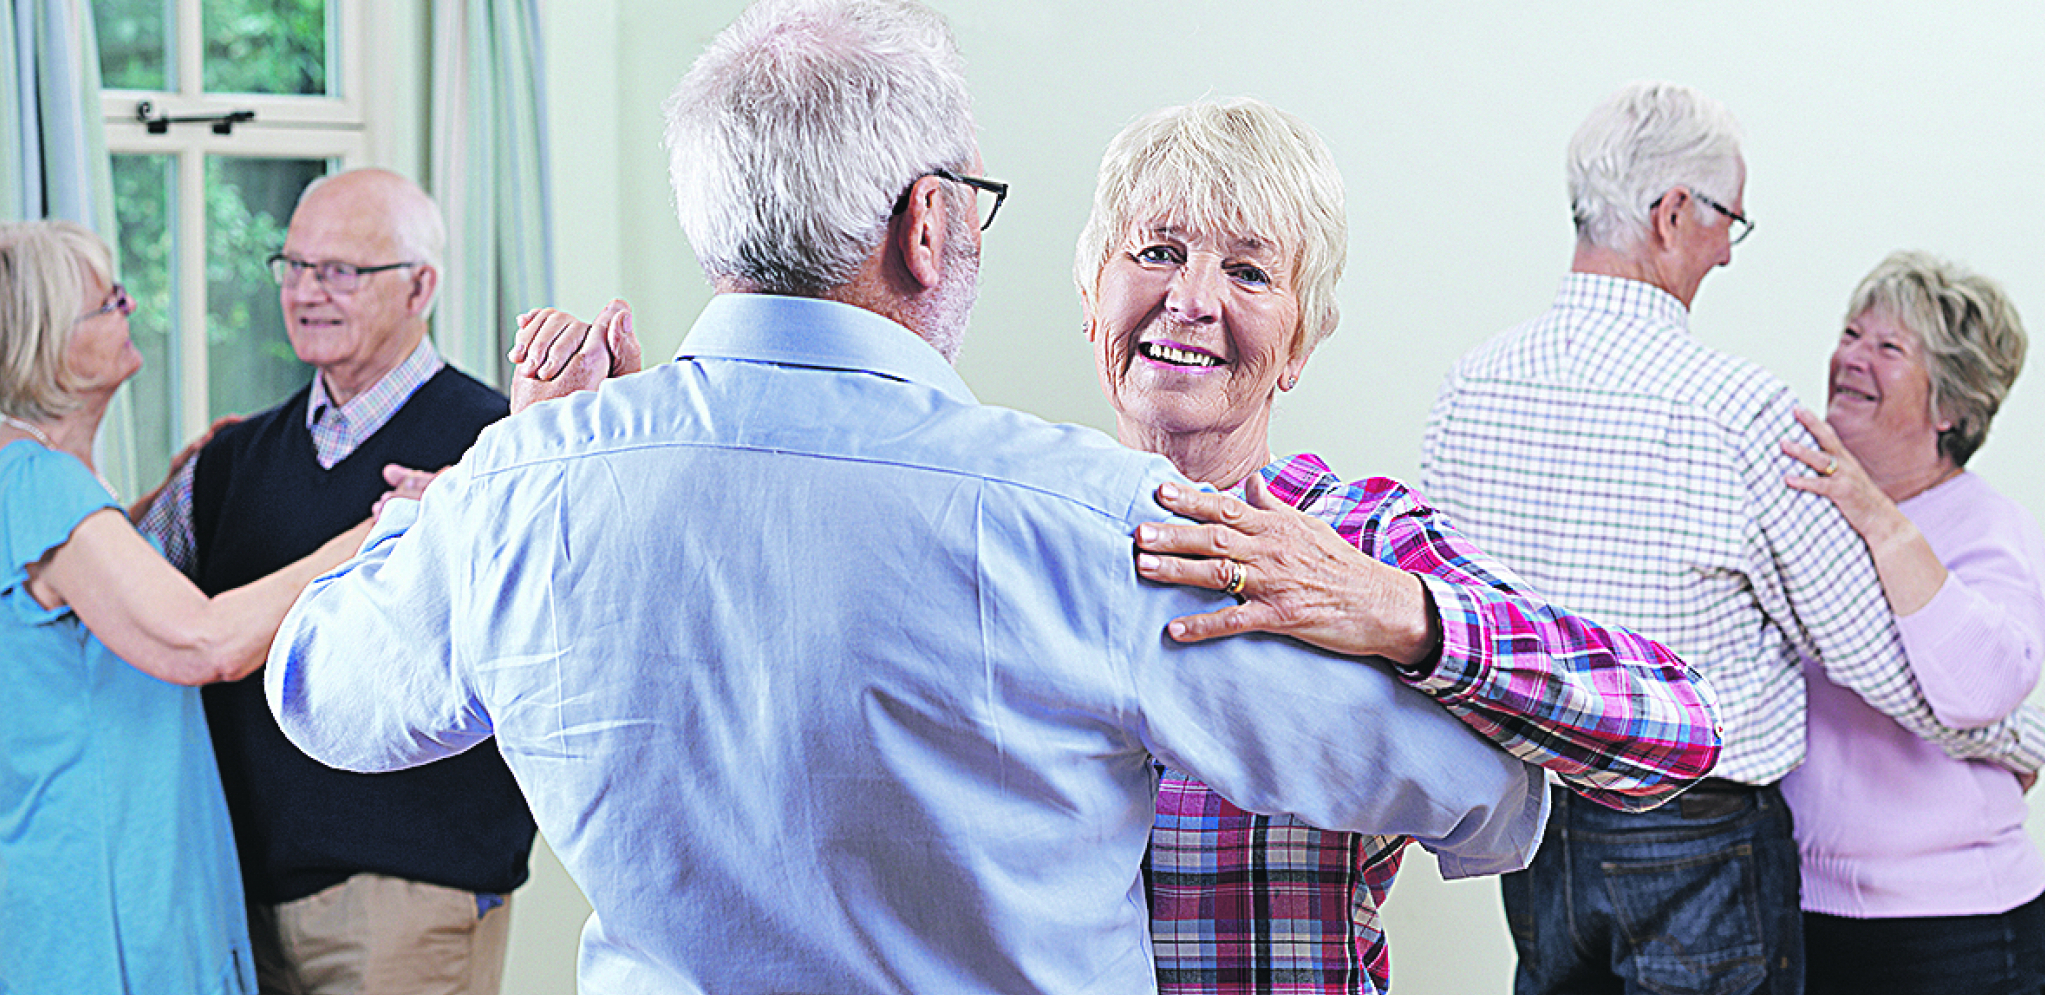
134	51
266	46
252	46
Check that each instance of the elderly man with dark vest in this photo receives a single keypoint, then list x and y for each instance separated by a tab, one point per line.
384	882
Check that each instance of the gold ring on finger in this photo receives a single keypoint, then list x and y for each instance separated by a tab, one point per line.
1237	576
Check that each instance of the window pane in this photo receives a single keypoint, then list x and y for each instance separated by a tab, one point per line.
266	46
134	43
249	361
145	191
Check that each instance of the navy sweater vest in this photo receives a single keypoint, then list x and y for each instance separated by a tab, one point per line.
260	500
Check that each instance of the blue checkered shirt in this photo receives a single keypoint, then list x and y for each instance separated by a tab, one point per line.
1629	472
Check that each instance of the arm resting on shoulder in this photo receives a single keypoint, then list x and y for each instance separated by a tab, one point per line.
1839	604
154	618
1616	715
1975	652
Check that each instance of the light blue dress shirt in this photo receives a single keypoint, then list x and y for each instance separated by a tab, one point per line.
822	677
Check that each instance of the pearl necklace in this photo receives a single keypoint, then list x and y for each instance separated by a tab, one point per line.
42	437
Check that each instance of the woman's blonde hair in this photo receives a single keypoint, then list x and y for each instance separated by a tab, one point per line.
45	268
1973	341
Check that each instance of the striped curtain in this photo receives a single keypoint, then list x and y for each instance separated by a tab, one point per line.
490	176
53	163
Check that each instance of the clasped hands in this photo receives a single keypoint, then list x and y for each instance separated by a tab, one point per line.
557	355
1300	578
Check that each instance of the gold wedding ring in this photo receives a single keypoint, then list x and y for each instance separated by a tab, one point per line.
1237	576
1830	468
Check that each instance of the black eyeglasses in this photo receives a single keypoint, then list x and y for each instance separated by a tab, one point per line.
117	300
1741	227
983	185
339	278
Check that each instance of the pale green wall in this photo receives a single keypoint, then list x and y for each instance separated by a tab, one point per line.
1871	126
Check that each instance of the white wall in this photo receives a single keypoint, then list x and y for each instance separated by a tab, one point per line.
1871	126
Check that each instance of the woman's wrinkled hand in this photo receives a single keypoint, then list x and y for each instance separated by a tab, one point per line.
1299	578
1837	475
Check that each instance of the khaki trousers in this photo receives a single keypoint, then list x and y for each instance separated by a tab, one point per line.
377	935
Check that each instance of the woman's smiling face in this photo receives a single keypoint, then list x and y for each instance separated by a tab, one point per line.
1193	331
1879	392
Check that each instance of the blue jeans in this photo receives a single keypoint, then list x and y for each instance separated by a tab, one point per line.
1698	897
1965	955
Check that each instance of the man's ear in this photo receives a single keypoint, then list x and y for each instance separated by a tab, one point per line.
918	233
1671	214
425	280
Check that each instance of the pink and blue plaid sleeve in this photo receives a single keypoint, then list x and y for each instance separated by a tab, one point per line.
1617	716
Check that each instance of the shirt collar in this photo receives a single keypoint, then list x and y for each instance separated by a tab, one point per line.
1619	295
803	331
386	395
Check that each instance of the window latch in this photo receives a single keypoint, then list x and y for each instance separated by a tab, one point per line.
223	124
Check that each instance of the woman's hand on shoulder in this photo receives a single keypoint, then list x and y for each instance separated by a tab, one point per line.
1837	475
1294	574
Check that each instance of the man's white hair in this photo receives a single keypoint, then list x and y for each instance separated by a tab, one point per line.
415	223
791	138
413	218
1643	140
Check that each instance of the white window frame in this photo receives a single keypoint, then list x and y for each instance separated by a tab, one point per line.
340	127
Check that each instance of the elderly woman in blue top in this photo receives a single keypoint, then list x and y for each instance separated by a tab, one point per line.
1208	272
117	867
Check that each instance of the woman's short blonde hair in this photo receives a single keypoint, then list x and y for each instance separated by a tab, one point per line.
45	268
1241	167
1973	342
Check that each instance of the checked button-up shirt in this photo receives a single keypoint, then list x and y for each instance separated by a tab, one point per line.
1242	902
1630	472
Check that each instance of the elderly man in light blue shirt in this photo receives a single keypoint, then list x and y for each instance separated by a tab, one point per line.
818	674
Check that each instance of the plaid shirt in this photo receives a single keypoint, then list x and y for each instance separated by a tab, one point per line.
1246	902
1630	472
337	429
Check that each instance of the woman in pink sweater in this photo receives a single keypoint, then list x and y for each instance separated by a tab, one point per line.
1918	875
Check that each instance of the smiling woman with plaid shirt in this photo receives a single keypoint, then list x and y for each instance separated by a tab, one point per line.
1208	272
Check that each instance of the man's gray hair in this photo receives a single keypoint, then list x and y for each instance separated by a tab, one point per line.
1241	167
1973	341
1641	141
791	138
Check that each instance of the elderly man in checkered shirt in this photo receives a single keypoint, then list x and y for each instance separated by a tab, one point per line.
1626	470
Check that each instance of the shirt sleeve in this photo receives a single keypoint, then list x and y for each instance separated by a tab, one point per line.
168	521
1836	611
44	495
1279	727
400	708
1975	646
1617	716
